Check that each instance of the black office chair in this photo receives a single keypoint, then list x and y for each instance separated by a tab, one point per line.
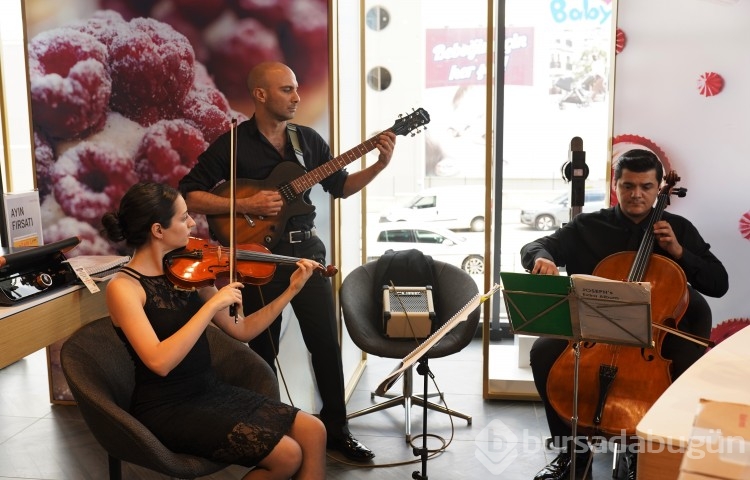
100	374
363	317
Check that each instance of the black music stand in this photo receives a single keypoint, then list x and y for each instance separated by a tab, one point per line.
419	355
579	308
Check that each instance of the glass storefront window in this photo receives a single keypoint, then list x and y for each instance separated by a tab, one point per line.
556	58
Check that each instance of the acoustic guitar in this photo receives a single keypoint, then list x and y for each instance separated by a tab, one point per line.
292	181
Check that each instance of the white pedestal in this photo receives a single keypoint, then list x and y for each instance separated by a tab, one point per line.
509	371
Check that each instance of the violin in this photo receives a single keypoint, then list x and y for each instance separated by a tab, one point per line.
200	263
619	384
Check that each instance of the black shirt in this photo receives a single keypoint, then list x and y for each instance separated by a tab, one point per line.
586	240
256	159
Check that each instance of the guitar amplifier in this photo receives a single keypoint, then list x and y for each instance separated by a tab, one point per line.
408	312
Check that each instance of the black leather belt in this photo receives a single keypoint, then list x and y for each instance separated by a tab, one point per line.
297	236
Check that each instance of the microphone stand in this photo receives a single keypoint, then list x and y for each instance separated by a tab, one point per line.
575	171
424	370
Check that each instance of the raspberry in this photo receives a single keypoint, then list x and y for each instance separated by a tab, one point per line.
177	20
200	12
44	159
268	12
247	45
91	242
103	25
90	179
70	86
129	8
152	70
304	39
168	150
205	107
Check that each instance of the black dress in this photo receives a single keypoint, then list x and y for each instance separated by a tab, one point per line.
190	410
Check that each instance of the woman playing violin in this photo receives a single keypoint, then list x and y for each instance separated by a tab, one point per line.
589	238
177	395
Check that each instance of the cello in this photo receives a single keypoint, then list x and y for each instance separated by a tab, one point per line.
619	384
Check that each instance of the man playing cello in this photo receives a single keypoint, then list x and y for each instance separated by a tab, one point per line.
589	238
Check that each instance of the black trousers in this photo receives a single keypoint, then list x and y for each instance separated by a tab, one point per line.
315	311
683	353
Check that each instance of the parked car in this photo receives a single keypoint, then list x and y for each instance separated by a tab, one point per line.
440	243
460	206
554	213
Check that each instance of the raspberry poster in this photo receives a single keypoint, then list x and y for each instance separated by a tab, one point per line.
124	91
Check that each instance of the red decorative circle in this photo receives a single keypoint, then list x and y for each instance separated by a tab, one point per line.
620	41
727	328
710	84
745	225
625	142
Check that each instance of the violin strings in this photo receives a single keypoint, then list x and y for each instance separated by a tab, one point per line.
250	255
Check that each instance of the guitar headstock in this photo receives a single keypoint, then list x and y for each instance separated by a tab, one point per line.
414	120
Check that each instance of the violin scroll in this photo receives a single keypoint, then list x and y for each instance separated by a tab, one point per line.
328	271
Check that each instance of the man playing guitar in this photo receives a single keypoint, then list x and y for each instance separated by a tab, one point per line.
265	142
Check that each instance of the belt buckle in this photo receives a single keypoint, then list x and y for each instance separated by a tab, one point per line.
291	240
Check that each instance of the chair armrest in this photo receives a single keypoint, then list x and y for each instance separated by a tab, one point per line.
237	364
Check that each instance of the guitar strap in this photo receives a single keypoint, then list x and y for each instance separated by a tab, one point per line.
292	131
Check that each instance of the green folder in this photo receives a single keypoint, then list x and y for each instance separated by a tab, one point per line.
538	304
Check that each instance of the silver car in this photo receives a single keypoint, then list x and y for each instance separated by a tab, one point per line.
554	213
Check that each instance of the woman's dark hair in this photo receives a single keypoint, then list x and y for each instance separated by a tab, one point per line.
143	205
639	160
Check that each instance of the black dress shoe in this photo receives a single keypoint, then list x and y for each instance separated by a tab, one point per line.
559	468
631	460
351	448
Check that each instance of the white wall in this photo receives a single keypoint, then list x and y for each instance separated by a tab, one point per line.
670	43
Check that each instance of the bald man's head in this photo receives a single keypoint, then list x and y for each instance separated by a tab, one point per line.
258	77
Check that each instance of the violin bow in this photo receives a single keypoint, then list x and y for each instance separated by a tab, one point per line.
232	211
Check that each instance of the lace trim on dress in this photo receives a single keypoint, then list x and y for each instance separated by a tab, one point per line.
160	292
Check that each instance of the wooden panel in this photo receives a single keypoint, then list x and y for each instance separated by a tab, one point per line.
24	330
657	460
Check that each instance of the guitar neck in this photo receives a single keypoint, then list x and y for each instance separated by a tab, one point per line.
316	175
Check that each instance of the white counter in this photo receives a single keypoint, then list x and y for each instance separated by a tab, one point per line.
722	374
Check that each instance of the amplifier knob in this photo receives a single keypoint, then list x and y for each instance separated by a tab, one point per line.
43	280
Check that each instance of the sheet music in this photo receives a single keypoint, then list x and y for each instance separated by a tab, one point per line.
425	346
613	311
98	266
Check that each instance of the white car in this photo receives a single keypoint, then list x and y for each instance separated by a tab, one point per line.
439	243
456	207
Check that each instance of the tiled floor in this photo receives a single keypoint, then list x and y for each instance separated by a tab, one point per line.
505	439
